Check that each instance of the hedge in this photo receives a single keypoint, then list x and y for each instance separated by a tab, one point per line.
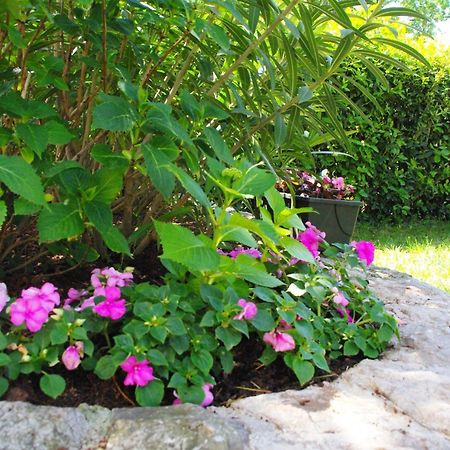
401	149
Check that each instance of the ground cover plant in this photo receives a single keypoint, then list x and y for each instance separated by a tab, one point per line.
420	248
248	278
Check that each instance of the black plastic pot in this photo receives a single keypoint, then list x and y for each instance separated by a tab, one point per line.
336	217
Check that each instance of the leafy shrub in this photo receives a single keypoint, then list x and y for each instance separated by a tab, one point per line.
401	149
247	277
106	106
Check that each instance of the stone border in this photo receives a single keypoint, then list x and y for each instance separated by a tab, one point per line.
399	401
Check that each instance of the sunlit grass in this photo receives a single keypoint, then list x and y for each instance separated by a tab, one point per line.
421	249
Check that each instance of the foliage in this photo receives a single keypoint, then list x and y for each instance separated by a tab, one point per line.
435	10
401	155
181	335
109	109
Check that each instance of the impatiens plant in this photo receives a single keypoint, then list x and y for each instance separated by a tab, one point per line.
271	280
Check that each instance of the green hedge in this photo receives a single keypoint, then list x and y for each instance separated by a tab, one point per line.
402	148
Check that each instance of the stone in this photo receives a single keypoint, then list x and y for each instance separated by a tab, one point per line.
400	401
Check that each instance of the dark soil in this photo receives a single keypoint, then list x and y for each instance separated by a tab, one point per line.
248	378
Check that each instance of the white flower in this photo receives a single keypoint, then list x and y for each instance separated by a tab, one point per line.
4	298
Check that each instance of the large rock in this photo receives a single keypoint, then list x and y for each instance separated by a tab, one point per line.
401	401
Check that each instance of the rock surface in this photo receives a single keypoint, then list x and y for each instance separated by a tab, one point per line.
401	401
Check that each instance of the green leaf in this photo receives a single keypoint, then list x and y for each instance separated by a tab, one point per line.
107	183
59	221
235	234
104	155
320	361
21	178
59	333
255	182
218	145
100	215
105	367
263	321
157	358
156	161
113	114
5	136
304	328
4	385
304	94
385	333
176	326
4	359
297	249
3	341
190	185
209	319
3	212
191	394
159	333
57	133
304	370
229	337
23	207
181	245
202	360
35	136
151	394
350	349
255	275
52	385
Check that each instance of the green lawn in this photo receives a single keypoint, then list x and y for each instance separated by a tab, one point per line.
421	249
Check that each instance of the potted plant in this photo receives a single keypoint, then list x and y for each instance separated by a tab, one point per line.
334	209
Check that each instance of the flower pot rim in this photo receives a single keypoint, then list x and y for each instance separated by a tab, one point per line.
331	201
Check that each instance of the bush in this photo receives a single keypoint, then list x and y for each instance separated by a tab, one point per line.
401	149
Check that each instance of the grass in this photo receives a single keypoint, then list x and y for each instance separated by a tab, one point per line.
421	249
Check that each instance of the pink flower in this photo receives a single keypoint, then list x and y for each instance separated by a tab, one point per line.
4	298
47	295
110	277
365	251
71	357
345	313
338	183
249	310
31	311
72	296
340	299
138	373
113	306
311	238
209	397
281	342
253	252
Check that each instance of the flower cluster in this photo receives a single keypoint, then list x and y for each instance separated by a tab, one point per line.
311	238
239	250
307	185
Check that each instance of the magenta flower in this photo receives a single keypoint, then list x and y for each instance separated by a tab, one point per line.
239	250
71	357
365	251
47	295
339	298
281	342
338	183
31	311
311	238
4	298
209	397
345	312
138	373
249	310
113	306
